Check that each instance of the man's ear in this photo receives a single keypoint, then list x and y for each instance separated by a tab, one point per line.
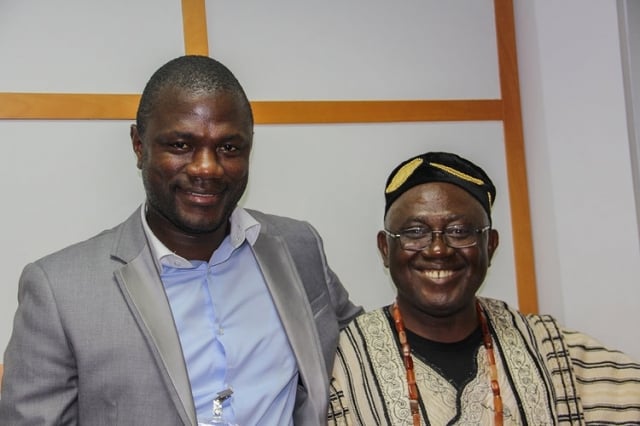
492	244
383	247
136	143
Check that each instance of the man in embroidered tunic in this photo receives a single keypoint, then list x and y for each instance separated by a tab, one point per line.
524	369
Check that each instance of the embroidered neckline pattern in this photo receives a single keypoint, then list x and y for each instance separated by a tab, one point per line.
414	404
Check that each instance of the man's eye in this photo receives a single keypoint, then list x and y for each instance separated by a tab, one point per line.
179	145
415	233
227	147
458	232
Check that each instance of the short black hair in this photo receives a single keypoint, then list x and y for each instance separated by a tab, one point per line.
193	73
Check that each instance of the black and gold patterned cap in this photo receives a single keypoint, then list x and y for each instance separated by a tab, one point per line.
440	167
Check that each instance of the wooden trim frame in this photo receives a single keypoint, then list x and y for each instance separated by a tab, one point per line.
67	106
194	27
507	109
514	153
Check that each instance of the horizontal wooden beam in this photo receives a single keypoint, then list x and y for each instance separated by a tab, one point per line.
67	106
301	112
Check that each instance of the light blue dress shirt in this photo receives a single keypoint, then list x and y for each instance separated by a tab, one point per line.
229	329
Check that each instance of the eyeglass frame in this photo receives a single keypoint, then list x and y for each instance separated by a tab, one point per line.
442	232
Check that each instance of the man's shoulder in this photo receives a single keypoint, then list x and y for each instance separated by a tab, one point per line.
99	240
261	216
365	329
102	242
497	308
276	224
373	319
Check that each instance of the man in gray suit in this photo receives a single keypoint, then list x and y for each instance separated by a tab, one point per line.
193	310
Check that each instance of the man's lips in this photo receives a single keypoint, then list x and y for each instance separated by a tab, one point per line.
439	275
203	197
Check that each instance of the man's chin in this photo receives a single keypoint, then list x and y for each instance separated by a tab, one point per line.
199	226
199	229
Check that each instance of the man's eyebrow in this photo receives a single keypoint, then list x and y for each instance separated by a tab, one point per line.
174	134
424	218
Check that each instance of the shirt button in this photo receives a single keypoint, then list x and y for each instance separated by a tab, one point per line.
220	331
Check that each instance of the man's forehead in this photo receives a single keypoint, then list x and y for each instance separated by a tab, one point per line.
174	92
181	100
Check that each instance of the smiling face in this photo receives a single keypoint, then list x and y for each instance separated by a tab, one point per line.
194	158
439	281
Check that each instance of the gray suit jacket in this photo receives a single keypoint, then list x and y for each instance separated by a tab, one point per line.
94	342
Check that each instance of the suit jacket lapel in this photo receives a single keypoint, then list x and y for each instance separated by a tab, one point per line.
143	290
290	299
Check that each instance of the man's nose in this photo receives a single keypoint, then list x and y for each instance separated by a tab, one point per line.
204	164
438	245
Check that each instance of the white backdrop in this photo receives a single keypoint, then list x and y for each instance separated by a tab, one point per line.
65	181
579	167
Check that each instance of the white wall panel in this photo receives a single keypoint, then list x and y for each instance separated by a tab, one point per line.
579	165
85	46
358	49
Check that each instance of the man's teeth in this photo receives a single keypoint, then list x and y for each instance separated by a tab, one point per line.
438	274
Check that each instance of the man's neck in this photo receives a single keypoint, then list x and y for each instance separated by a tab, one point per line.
445	329
191	246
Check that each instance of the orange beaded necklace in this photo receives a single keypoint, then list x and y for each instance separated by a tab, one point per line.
414	404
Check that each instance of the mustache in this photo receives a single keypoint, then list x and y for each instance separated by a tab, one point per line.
203	186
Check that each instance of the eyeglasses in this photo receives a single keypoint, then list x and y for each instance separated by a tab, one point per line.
419	238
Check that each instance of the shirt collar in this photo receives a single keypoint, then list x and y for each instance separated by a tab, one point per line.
243	227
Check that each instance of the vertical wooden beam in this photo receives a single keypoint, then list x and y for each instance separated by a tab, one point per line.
515	155
194	20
